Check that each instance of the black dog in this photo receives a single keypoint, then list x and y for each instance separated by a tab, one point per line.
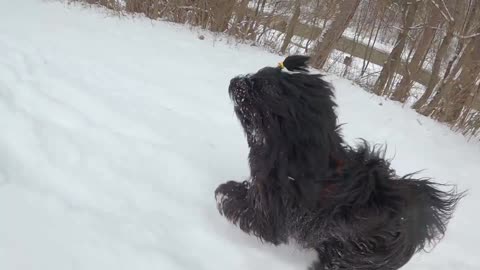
307	185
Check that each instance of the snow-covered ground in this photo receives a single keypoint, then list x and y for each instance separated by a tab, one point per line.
116	131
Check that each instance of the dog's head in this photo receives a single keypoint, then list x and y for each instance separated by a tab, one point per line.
278	106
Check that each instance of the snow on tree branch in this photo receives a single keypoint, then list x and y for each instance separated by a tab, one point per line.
447	16
467	36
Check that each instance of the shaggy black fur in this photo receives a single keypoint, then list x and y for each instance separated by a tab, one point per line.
307	185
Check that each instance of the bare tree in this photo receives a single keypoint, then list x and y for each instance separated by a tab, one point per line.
452	86
441	52
291	26
378	14
390	67
402	90
240	15
345	11
462	84
221	11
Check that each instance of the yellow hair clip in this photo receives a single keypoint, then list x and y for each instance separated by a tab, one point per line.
281	65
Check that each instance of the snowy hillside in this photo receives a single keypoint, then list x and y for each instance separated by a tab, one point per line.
115	133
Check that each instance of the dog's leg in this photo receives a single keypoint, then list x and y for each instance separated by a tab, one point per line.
240	203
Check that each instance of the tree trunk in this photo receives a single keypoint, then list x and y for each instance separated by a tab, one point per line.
402	91
252	23
345	11
221	12
435	76
452	86
464	86
386	75
439	57
445	86
291	26
464	121
240	13
371	44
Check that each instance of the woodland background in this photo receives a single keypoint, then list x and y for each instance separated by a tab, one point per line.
422	53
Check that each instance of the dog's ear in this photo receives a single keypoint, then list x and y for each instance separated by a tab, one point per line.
296	63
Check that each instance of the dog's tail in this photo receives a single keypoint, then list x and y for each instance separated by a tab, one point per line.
396	216
428	210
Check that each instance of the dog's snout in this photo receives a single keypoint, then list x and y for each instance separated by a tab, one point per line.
239	88
240	83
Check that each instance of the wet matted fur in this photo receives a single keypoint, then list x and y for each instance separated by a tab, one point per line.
306	184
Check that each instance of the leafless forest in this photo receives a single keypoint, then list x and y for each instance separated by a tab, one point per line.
422	53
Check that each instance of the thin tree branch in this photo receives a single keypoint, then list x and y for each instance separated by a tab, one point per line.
468	36
448	17
448	11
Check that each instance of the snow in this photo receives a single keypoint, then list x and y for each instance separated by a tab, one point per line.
335	65
117	130
384	47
